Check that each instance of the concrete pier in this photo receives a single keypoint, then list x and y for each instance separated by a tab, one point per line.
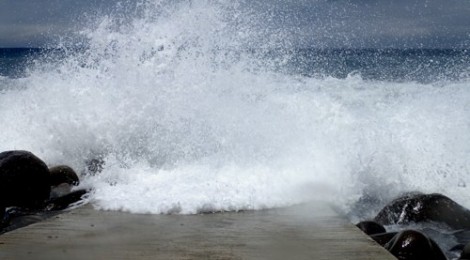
312	231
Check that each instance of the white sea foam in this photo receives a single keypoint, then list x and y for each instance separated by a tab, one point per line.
186	121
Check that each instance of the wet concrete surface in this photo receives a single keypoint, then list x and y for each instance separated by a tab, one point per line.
312	231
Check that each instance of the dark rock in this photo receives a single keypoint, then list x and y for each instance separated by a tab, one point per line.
63	174
24	180
60	190
383	238
425	208
462	235
465	252
64	201
458	247
370	227
3	219
411	244
21	217
62	177
30	192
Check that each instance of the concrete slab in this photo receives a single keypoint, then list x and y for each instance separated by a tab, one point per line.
312	231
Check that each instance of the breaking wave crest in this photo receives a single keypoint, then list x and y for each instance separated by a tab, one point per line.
187	117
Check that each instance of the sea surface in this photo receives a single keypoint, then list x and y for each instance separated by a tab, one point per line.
187	108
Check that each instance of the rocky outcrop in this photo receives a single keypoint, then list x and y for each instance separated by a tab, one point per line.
30	190
24	180
418	207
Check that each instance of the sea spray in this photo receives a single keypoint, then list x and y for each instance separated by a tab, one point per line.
188	116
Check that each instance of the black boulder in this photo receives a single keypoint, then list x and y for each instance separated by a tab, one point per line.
370	227
24	180
425	208
414	245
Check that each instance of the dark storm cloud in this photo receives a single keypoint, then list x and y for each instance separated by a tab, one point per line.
26	23
368	23
320	23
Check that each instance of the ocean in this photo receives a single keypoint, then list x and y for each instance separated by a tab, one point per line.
195	109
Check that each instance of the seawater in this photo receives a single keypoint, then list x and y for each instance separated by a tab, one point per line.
197	107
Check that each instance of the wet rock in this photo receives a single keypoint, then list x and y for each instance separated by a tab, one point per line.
465	252
383	238
3	220
411	245
63	174
425	208
63	202
17	217
62	179
60	190
370	227
24	180
30	192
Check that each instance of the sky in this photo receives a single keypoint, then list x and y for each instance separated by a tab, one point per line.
320	23
36	23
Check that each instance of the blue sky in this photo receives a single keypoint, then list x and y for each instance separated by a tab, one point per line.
333	23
